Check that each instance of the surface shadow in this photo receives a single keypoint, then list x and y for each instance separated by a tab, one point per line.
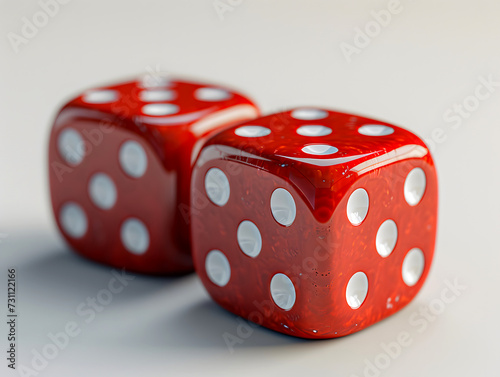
206	325
155	312
54	273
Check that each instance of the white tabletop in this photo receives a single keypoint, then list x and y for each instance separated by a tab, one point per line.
411	71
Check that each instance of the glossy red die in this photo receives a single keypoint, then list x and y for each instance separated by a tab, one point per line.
120	161
314	223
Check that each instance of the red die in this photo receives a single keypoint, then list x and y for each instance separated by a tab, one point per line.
120	161
314	223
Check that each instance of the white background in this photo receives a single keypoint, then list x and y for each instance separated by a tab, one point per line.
282	53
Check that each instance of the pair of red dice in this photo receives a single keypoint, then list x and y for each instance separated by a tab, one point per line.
310	222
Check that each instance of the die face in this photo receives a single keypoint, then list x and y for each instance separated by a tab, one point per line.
105	237
235	228
345	270
393	246
121	158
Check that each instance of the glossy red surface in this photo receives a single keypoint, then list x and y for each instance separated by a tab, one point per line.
160	197
321	249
